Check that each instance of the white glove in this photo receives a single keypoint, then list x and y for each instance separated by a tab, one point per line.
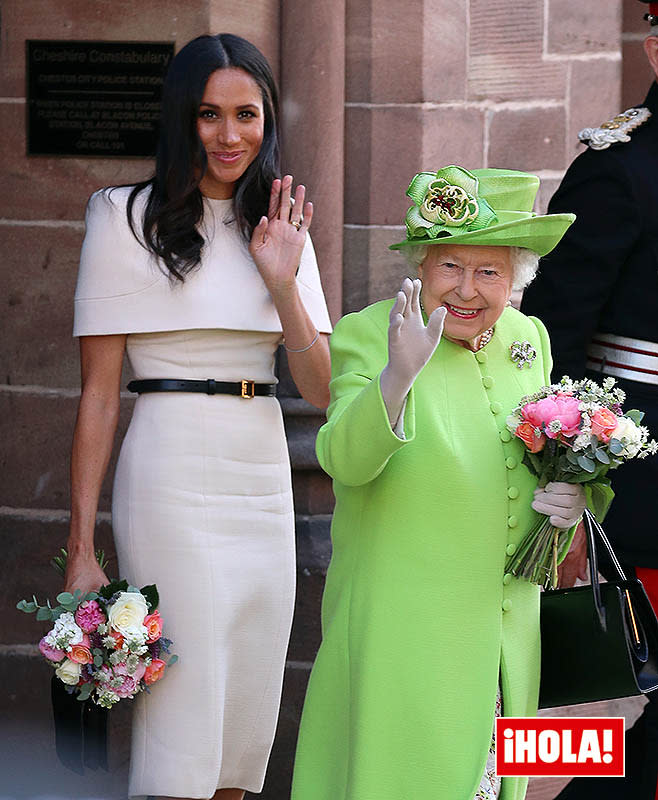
410	346
564	503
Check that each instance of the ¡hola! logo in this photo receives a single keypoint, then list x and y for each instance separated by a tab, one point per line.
568	746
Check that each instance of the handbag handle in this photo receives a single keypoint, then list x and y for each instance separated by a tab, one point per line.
638	637
592	526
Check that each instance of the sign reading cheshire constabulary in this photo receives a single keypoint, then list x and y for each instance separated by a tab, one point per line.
94	98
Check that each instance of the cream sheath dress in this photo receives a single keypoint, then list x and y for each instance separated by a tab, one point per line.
202	502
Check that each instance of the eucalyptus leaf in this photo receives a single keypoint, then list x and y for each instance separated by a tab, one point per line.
98	661
172	660
636	415
571	456
28	607
586	463
615	447
97	651
44	613
85	690
602	455
64	597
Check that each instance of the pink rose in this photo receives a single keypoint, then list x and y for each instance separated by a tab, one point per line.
604	423
128	687
529	437
51	653
89	616
560	407
154	671
153	625
138	674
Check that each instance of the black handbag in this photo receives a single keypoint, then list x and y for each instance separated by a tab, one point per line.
600	641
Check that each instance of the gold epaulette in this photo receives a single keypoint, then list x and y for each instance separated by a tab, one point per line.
615	129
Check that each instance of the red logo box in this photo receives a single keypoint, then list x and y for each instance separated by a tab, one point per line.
567	746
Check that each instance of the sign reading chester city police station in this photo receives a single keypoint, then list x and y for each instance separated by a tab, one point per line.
94	98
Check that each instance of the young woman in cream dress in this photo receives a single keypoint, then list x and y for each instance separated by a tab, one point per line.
197	274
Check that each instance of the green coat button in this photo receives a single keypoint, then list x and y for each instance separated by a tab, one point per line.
488	382
512	521
512	492
511	462
496	407
510	549
505	436
507	578
507	604
481	357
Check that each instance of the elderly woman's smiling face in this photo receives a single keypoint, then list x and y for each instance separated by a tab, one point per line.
473	282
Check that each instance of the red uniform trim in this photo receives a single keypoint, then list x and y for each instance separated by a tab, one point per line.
649	578
623	346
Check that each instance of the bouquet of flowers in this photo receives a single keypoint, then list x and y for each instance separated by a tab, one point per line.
573	431
106	645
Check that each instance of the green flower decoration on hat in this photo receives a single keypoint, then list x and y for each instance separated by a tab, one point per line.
446	199
482	207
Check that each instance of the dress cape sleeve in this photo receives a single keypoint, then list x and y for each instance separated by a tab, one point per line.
115	269
123	288
310	289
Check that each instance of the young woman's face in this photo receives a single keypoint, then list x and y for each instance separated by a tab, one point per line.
230	125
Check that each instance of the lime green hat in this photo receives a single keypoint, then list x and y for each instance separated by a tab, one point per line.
485	206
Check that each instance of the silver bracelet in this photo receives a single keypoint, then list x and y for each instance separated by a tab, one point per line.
302	349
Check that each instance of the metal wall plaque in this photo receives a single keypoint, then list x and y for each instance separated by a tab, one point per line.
94	98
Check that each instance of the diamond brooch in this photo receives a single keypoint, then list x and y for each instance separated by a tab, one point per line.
522	353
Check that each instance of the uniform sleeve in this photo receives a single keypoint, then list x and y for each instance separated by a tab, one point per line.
576	279
310	288
357	441
114	267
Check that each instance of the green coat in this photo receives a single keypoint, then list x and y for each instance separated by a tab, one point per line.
418	615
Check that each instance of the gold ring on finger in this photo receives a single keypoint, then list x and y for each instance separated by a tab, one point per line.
296	222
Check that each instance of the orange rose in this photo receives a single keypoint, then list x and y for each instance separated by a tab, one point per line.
154	671
80	654
118	638
153	625
603	424
528	435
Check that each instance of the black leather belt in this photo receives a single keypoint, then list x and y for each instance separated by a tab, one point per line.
245	389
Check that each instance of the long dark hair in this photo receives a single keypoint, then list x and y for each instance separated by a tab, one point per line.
174	205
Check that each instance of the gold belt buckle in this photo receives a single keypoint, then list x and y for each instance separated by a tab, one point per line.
247	389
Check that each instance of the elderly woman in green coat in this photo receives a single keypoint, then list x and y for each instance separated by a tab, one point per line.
425	635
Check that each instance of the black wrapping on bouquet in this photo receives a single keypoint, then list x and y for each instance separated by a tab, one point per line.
80	730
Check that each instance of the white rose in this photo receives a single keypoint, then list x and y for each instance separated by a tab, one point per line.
128	612
628	431
68	672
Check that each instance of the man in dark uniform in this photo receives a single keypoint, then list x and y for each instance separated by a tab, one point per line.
597	293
